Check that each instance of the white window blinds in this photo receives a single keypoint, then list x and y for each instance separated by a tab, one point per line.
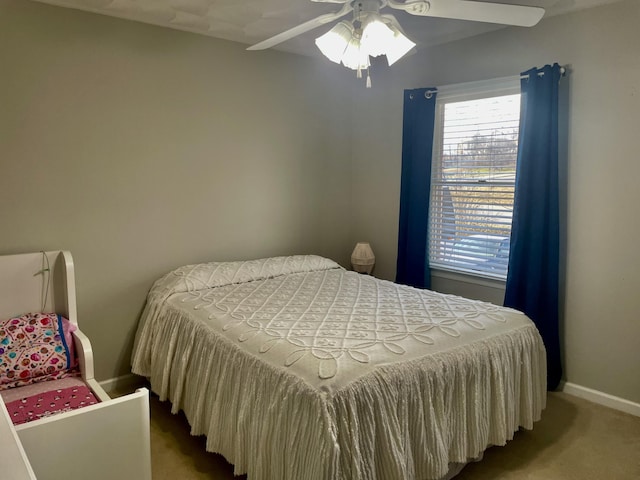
473	181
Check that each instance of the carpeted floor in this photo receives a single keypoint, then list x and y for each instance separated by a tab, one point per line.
575	440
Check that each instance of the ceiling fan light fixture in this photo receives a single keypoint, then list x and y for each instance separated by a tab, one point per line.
334	43
338	45
398	47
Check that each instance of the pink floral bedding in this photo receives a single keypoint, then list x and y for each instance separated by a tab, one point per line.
35	347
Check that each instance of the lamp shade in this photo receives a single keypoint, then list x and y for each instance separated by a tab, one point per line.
376	36
354	57
333	43
362	258
398	46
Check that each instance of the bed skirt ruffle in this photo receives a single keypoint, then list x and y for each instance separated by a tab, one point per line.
407	420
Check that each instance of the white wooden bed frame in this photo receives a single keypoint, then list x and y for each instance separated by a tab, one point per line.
106	441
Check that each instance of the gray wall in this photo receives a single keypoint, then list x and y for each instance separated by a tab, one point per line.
600	47
141	149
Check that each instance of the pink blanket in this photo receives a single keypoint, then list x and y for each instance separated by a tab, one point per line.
48	403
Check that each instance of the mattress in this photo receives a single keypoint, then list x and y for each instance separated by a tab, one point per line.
296	368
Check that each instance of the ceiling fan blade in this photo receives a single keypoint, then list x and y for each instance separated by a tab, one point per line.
302	28
502	13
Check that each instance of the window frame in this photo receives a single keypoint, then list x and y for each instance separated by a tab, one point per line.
459	93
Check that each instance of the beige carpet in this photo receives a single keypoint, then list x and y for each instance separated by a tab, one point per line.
575	439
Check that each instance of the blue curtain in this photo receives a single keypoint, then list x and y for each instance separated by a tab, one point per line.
417	144
533	275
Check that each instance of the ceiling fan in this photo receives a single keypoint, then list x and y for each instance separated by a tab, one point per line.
373	34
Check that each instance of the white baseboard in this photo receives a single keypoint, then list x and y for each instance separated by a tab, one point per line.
122	383
601	398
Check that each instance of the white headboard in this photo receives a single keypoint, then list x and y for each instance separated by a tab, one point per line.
37	282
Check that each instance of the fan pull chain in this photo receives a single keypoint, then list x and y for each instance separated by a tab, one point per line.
368	78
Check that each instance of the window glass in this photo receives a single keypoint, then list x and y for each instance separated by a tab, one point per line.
473	182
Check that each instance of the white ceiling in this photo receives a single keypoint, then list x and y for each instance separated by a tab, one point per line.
251	21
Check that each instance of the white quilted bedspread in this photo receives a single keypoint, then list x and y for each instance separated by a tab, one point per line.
362	378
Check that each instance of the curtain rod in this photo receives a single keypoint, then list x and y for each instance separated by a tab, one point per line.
540	74
430	92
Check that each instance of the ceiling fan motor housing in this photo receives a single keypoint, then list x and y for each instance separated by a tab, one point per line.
364	7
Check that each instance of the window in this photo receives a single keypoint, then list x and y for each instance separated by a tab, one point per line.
473	178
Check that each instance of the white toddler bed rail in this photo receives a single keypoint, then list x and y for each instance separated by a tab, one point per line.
106	441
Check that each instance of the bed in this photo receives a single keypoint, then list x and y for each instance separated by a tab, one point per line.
295	368
58	421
